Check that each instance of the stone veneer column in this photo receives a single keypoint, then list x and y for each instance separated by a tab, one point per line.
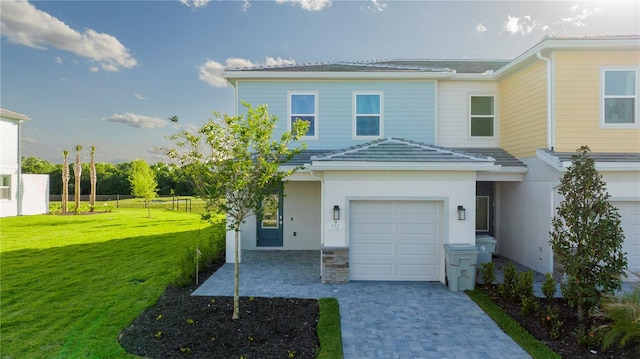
335	265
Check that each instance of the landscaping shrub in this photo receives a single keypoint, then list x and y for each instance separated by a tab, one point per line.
622	314
508	289
549	286
487	273
528	301
205	253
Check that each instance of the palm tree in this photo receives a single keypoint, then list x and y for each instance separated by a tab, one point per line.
77	171
65	182
94	179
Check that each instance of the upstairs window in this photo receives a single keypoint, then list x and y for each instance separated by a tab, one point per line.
5	186
368	115
619	100
482	115
303	106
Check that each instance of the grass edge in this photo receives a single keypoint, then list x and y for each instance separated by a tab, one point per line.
328	328
531	345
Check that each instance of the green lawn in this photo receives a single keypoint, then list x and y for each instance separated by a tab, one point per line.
69	284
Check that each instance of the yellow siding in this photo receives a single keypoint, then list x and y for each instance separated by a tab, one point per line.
523	111
577	88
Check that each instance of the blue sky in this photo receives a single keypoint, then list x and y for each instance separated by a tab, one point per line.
111	73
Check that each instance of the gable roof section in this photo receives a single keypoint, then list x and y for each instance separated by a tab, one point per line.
435	68
604	161
456	66
400	154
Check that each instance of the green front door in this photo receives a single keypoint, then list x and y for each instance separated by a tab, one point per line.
270	222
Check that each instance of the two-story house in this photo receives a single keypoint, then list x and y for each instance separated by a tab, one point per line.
10	172
405	156
564	93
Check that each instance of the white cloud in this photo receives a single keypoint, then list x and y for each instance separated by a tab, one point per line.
480	28
310	5
523	26
211	71
139	121
139	96
375	5
581	13
94	69
195	3
58	60
23	24
246	5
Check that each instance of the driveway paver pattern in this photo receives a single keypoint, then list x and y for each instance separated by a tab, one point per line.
379	319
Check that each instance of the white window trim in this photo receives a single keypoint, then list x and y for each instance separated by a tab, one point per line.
494	116
316	125
8	186
353	126
602	98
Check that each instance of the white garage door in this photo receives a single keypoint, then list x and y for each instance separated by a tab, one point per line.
630	213
395	240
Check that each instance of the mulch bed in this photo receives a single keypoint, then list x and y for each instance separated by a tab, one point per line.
567	343
182	326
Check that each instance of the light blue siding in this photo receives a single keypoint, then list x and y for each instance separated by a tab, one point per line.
409	108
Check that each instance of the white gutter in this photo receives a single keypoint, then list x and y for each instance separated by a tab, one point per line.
551	131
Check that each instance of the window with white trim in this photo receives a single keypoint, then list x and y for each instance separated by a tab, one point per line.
304	106
367	121
482	116
5	186
619	97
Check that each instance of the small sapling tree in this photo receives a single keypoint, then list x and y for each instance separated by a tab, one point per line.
236	164
143	182
587	236
77	172
93	178
65	181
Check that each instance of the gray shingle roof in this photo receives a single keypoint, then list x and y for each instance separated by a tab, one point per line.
397	150
602	157
459	66
502	157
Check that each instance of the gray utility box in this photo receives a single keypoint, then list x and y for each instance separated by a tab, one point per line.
460	260
486	246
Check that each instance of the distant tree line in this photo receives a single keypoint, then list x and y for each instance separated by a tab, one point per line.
111	178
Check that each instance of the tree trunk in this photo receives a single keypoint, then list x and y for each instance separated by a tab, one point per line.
236	281
94	179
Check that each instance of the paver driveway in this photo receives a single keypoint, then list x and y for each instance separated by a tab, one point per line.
379	319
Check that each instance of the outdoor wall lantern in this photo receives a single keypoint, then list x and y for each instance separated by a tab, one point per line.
336	212
462	213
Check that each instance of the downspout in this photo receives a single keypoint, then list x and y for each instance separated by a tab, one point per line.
551	122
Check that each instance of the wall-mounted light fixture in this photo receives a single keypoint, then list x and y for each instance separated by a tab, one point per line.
336	212
462	213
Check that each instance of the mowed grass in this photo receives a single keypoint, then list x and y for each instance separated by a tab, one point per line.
70	284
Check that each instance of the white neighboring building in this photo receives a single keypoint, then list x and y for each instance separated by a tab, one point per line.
10	169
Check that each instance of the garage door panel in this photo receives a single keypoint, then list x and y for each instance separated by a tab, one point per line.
417	250
363	229
416	208
423	229
372	271
373	249
394	240
419	272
